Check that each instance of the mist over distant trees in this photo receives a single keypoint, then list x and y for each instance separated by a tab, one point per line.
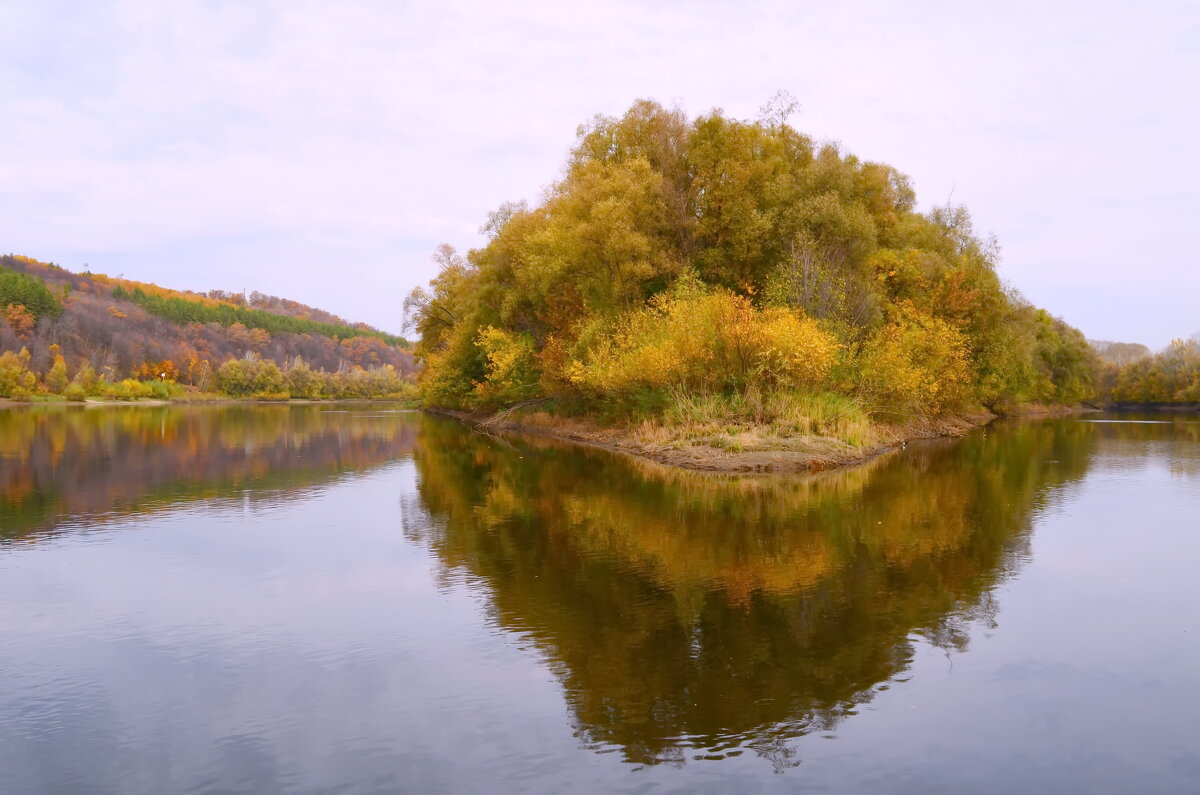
1119	353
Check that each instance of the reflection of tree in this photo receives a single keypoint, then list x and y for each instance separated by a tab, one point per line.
1135	439
686	611
62	464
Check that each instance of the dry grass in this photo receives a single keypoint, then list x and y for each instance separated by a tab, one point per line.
780	431
761	420
785	421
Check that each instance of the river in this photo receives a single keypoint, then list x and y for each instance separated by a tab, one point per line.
302	599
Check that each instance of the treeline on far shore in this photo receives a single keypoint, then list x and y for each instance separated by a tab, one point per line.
1129	373
249	377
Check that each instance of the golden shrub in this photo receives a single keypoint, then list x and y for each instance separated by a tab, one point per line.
714	341
792	350
915	364
512	373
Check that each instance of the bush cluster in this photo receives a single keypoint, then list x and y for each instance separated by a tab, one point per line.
704	341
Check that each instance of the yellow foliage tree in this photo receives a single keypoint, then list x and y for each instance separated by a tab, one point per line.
16	379
56	376
915	364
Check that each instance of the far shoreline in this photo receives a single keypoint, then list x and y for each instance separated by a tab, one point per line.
8	403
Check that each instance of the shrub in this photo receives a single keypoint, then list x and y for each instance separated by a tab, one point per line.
512	371
706	342
16	379
163	390
302	382
914	365
75	391
244	377
86	378
792	350
128	389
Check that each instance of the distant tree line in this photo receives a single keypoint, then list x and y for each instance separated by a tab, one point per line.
240	378
61	329
282	306
1130	373
182	311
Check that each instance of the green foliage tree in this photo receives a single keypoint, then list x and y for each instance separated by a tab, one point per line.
19	289
183	311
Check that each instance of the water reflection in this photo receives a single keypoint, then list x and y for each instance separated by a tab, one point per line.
515	614
691	616
75	465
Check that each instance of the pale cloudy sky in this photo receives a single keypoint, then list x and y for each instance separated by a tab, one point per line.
321	150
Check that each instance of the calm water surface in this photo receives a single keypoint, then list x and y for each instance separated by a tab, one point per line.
291	599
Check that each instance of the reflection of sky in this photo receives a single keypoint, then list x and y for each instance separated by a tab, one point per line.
203	634
182	142
308	644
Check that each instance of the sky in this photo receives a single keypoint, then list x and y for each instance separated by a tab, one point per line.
322	150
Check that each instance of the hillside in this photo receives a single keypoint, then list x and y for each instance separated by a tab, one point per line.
118	329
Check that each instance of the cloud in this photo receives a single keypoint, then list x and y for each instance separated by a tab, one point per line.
320	150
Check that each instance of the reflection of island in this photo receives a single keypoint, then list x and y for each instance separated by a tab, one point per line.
66	464
688	615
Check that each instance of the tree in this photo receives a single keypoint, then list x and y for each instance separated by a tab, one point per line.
20	320
56	378
16	379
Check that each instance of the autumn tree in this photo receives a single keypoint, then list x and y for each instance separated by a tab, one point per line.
56	377
579	297
20	320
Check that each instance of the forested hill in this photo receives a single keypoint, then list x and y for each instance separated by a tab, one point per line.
679	261
122	328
